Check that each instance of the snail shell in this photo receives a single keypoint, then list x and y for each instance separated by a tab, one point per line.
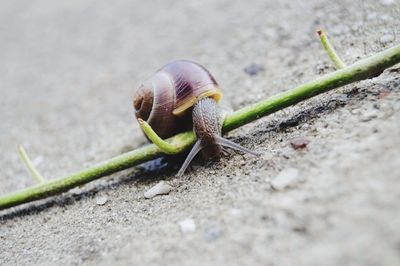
184	95
165	100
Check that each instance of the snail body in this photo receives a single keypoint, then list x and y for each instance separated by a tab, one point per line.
180	96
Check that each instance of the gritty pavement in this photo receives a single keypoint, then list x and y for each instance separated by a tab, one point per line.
67	74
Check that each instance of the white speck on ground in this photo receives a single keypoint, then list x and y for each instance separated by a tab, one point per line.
369	115
101	200
286	178
162	188
187	226
388	38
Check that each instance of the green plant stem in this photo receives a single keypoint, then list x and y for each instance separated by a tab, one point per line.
31	168
165	146
367	68
330	50
363	69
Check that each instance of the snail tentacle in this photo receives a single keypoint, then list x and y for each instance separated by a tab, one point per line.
196	148
230	144
163	145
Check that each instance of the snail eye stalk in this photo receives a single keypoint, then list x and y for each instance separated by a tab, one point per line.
195	150
230	144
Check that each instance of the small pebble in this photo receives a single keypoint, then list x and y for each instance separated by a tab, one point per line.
385	39
162	188
101	200
76	191
267	156
356	111
286	178
299	143
187	226
253	69
369	115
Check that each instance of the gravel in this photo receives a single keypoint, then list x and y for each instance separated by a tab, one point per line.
162	188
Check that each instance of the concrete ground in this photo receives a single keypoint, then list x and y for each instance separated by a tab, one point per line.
67	74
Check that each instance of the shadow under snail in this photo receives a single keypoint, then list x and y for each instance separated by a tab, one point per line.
183	95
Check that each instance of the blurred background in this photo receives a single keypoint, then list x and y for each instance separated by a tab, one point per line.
68	70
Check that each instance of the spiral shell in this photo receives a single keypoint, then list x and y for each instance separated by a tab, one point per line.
165	100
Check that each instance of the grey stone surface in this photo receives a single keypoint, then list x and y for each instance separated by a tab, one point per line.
67	73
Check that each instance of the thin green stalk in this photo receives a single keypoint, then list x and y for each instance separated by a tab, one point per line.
330	50
31	168
367	68
165	146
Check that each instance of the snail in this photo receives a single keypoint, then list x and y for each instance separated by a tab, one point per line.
183	95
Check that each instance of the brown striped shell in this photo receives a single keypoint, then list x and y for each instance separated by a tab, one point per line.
165	100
